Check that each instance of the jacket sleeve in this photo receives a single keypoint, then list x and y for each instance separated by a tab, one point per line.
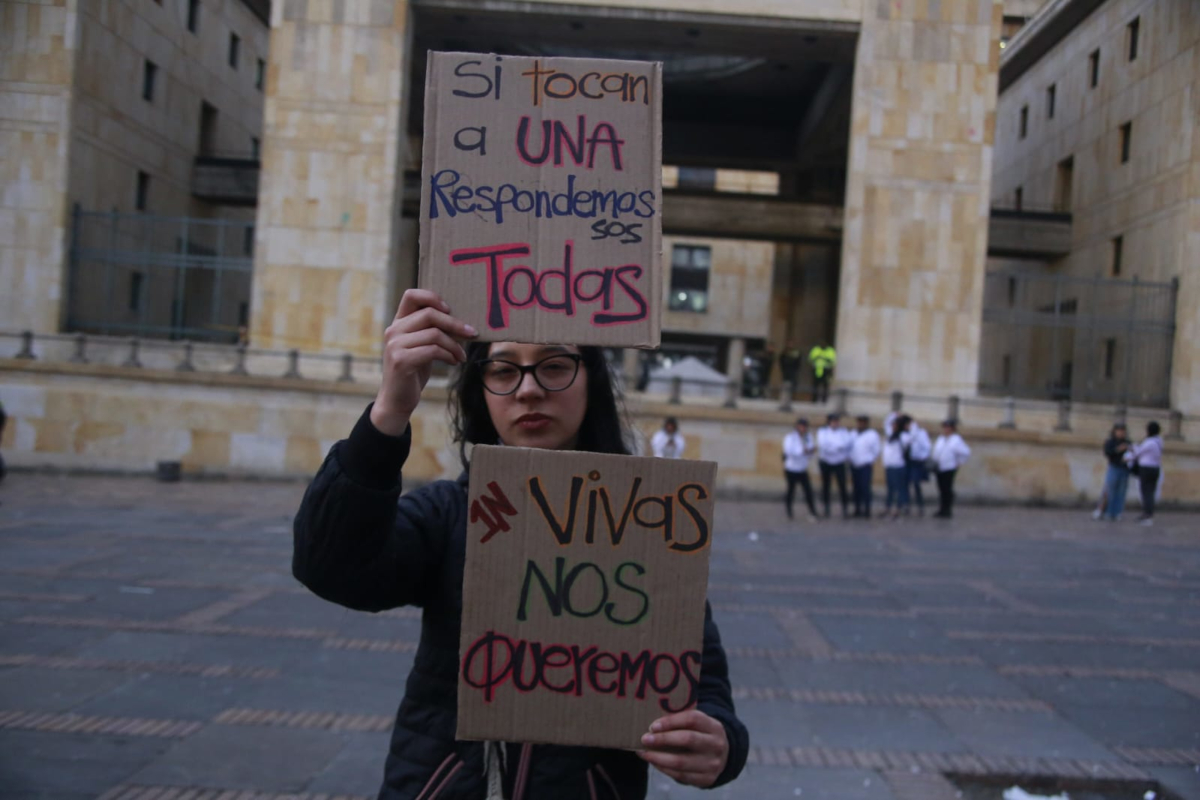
356	541
716	700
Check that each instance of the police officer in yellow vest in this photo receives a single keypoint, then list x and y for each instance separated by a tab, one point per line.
823	359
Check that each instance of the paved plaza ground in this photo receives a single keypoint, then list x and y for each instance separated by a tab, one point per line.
152	637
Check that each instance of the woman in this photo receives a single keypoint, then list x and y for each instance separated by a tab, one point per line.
1116	476
1147	455
359	544
668	442
918	452
797	447
895	468
950	452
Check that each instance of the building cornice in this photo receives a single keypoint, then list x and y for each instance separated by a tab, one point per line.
1049	26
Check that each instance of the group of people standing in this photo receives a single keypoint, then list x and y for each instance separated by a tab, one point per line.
1143	460
908	459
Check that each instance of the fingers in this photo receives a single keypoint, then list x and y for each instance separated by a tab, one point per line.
403	344
416	299
692	719
429	317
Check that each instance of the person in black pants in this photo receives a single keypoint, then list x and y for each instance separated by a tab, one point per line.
797	447
833	444
1147	456
949	452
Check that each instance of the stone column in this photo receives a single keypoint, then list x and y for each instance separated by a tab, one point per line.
733	365
328	210
921	131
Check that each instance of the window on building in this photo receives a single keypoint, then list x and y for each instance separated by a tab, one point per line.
1131	37
690	268
235	44
1094	69
1050	93
260	74
1126	136
243	314
1064	181
1110	357
208	128
1118	253
1012	292
193	17
1024	121
248	240
1018	198
149	73
700	178
142	200
136	282
254	147
1006	370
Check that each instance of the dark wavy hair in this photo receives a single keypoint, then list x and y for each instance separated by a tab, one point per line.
603	430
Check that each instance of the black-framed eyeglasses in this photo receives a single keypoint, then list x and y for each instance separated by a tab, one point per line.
553	373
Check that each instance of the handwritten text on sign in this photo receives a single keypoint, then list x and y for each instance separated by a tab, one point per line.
540	197
583	594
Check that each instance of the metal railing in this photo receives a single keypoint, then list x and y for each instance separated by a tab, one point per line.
1007	413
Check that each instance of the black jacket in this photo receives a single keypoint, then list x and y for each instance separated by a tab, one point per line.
1115	457
359	544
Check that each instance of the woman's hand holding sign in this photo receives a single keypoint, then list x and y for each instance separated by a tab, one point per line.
422	332
690	747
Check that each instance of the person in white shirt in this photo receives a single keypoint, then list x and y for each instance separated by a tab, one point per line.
833	445
798	445
917	452
1147	456
895	468
949	453
864	449
668	442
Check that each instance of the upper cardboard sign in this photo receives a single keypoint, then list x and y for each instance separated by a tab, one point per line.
541	186
583	595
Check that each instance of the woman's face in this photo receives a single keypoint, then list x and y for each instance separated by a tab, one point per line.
532	416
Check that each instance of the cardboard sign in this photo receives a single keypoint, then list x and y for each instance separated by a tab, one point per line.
583	595
541	187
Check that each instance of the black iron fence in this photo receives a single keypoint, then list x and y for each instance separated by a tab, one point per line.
159	277
1093	340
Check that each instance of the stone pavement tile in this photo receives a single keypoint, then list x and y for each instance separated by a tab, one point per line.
299	692
36	689
1133	726
285	610
940	679
947	595
751	630
284	654
233	757
363	625
45	765
1184	781
757	672
858	634
722	598
774	724
387	672
781	783
875	728
149	603
1106	692
19	638
1115	655
146	645
357	769
171	697
1022	734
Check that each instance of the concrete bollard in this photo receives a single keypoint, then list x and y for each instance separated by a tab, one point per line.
293	370
676	390
239	366
1120	414
731	393
953	404
347	368
786	393
80	356
186	364
843	396
26	345
133	360
1064	416
1175	426
1010	414
897	400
